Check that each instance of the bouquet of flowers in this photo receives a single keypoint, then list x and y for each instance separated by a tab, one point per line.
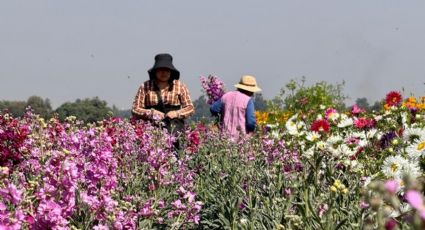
213	88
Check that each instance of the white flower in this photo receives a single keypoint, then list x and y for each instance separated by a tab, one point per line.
378	118
294	127
414	133
372	133
416	150
275	134
367	181
341	150
404	118
393	165
321	145
313	136
345	122
334	116
412	169
334	139
396	166
309	153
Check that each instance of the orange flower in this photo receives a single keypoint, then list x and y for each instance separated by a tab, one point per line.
387	107
411	100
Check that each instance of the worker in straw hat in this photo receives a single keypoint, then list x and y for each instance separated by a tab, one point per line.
236	108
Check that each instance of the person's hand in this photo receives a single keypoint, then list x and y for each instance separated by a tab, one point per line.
172	114
157	115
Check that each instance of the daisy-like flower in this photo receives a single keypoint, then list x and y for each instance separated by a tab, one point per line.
294	127
321	145
313	136
341	150
395	166
412	169
335	139
414	134
393	98
416	150
331	114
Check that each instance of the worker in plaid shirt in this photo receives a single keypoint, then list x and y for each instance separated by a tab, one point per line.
163	96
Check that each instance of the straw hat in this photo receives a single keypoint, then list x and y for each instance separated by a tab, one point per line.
248	83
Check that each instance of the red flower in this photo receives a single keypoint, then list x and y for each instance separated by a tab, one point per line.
320	125
363	123
393	98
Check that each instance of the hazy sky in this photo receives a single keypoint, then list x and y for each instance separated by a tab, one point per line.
66	50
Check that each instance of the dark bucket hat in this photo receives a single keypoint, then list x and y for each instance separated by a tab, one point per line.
164	61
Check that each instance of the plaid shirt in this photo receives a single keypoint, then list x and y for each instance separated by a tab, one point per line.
179	95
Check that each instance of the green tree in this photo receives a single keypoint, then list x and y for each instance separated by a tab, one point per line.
87	110
16	108
126	113
202	110
297	97
260	103
40	106
363	103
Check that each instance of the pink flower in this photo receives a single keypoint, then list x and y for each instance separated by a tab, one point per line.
363	205
330	113
356	110
391	186
322	209
415	199
101	227
178	204
190	196
363	123
11	193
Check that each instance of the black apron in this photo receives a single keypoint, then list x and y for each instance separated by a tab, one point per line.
172	125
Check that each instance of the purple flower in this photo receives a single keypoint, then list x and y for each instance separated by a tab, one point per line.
213	87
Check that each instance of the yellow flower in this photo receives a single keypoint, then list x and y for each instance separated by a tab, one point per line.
337	184
261	117
333	189
345	191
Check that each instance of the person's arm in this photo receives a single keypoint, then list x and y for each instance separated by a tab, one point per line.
216	107
186	103
139	103
251	123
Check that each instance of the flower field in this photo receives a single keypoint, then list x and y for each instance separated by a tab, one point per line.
329	169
